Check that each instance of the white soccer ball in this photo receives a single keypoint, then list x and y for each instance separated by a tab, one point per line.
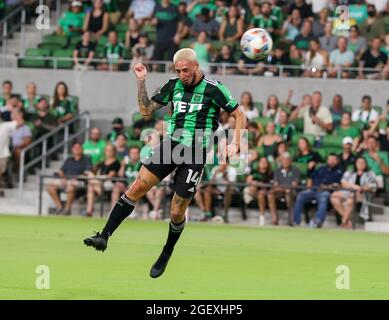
256	43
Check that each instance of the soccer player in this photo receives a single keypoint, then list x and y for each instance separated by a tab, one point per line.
197	102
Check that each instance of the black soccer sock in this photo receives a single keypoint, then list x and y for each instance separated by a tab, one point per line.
121	210
175	230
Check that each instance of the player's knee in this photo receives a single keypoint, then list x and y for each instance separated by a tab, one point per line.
137	190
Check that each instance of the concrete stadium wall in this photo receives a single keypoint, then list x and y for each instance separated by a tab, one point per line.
110	94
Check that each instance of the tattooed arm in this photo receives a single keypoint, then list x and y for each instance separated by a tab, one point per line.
146	105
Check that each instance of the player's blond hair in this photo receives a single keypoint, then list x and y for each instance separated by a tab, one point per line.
185	54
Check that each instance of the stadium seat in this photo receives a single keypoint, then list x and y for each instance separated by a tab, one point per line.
298	124
322	153
262	121
259	106
297	136
121	27
302	167
134	143
260	151
136	116
34	63
62	64
54	41
378	109
348	108
332	141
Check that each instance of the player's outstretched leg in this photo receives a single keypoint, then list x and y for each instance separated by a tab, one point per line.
176	226
123	208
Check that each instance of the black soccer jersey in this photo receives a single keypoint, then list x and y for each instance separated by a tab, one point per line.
195	108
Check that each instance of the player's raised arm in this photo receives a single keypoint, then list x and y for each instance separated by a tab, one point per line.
146	105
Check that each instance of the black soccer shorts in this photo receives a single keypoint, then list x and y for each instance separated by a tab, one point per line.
188	162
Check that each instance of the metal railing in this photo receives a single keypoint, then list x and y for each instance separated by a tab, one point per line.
16	21
167	184
43	144
8	26
268	70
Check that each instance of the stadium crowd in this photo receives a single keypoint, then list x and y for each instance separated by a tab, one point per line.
314	38
320	149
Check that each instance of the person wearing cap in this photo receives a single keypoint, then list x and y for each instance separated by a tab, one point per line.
285	177
346	158
117	128
72	21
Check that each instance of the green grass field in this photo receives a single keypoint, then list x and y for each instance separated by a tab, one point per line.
210	262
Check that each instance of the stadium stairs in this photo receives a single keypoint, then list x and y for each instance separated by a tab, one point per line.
32	37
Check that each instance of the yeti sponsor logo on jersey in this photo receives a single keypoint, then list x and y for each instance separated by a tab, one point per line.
181	106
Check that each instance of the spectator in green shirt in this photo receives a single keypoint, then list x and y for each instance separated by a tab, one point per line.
358	12
30	101
378	161
129	169
195	7
72	21
112	7
6	94
346	129
94	147
62	105
113	54
266	20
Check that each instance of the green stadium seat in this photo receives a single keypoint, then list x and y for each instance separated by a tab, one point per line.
74	40
121	27
298	124
34	63
302	167
378	109
136	116
52	39
135	143
262	121
186	43
260	151
333	150
296	137
348	108
50	46
322	153
217	45
332	141
62	64
259	106
103	40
